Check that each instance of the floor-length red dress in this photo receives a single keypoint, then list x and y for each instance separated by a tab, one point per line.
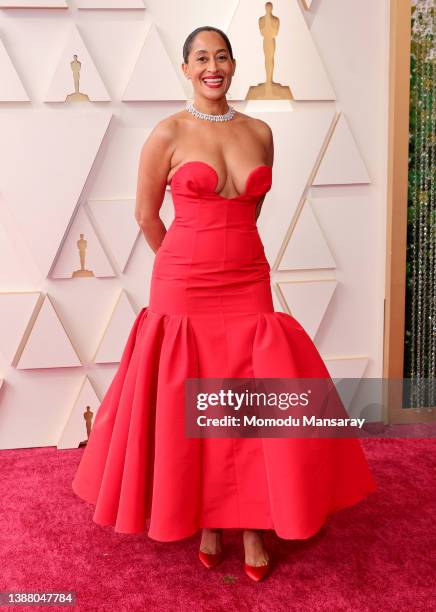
211	314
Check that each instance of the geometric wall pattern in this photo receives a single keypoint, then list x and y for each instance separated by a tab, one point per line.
115	335
16	311
302	254
82	254
117	227
342	163
76	78
292	179
48	344
308	301
307	4
349	371
56	156
55	185
83	411
11	87
157	79
350	367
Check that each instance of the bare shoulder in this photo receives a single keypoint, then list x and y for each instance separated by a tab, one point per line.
264	130
160	143
165	130
260	128
157	151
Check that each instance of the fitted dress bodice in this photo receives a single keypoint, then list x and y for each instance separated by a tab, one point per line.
212	256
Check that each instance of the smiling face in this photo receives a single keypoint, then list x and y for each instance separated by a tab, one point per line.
209	67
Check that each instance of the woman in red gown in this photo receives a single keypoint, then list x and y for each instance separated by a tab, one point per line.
210	315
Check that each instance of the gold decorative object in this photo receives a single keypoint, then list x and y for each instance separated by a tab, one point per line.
88	416
77	95
83	272
269	26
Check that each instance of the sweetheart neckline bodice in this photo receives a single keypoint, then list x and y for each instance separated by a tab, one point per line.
216	177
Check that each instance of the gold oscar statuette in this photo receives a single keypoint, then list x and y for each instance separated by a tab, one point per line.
77	95
83	272
269	28
87	415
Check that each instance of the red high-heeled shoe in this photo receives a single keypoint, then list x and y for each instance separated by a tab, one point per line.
257	572
210	560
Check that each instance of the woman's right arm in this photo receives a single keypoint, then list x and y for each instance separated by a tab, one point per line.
153	170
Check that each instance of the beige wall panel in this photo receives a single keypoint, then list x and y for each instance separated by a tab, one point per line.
156	80
16	310
300	253
342	162
115	335
11	87
308	301
48	344
54	153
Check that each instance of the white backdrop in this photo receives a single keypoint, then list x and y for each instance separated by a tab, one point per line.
70	168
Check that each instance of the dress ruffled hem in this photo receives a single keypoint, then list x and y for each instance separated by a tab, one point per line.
143	474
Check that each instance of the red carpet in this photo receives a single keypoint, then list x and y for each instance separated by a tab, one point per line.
373	556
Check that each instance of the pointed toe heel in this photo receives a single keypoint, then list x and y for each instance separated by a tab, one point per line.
257	572
210	560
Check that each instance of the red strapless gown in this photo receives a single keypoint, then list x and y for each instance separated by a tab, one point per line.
211	314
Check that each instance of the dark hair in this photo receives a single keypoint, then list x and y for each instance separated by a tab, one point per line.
190	39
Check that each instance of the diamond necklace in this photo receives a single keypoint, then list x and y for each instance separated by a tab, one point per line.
226	117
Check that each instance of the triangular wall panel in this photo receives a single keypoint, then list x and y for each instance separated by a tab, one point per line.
69	263
347	367
90	84
55	172
16	310
110	216
308	301
11	87
48	345
84	411
157	79
342	162
293	168
112	344
305	254
347	374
